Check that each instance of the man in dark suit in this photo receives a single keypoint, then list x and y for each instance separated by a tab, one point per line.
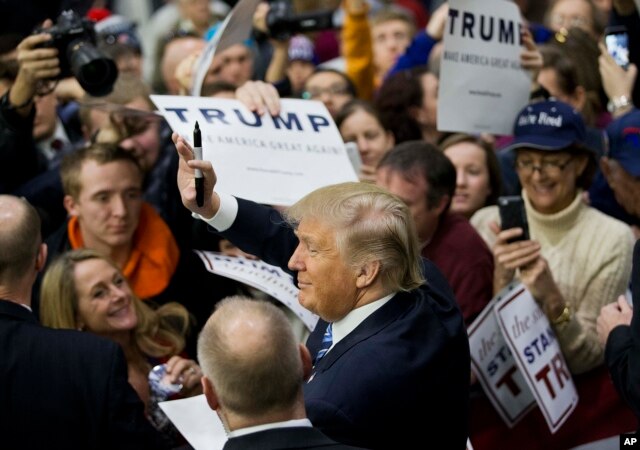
58	389
253	374
391	355
619	329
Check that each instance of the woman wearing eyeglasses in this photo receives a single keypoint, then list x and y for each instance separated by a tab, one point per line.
577	258
576	261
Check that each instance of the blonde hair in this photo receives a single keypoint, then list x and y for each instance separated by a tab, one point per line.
391	13
371	225
158	333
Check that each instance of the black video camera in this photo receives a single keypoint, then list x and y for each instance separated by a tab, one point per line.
282	23
75	39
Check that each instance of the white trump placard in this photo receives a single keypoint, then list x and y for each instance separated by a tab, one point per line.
482	86
260	275
274	160
496	369
537	353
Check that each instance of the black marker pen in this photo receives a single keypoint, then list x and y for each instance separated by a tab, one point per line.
197	150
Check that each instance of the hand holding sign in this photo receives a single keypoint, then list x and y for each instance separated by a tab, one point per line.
259	97
186	174
530	57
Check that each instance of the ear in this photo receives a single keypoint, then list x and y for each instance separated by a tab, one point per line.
70	205
367	274
391	139
305	356
442	204
41	257
419	114
581	164
579	97
210	393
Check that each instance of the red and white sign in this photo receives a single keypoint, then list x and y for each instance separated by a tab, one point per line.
537	353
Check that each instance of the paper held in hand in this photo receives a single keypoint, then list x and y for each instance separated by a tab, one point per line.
272	160
482	86
517	358
260	275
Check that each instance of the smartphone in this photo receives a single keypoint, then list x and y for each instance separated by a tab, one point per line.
513	215
616	40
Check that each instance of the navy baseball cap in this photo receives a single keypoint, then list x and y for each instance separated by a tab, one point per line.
549	126
624	141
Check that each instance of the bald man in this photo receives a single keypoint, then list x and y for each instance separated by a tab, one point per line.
253	373
61	388
174	53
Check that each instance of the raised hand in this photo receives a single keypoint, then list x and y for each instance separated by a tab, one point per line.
186	180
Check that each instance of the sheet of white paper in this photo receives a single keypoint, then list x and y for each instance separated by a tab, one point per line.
270	279
482	86
272	160
538	355
234	30
198	423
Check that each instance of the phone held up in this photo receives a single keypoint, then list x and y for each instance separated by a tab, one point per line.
616	40
513	215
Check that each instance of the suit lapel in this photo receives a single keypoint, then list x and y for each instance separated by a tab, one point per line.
380	319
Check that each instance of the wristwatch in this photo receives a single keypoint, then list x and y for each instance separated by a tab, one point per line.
564	316
617	103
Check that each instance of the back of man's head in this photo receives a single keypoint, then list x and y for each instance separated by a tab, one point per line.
19	239
370	225
71	167
415	159
248	352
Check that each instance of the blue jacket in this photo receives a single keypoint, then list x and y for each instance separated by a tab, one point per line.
401	378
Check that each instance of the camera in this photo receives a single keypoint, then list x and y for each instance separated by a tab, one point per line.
282	23
75	39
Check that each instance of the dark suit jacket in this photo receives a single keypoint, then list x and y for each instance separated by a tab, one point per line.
62	389
401	378
285	438
622	352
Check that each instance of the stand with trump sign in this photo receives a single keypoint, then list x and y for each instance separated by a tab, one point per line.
518	361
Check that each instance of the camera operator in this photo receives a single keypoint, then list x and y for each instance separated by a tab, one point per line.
19	156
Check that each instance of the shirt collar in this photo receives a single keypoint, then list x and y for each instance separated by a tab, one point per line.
348	323
270	426
45	145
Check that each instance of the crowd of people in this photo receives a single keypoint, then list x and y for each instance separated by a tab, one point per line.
101	294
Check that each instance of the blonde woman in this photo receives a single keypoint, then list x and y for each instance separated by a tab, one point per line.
84	290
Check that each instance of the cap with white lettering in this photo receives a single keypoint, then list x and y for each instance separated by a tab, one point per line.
550	126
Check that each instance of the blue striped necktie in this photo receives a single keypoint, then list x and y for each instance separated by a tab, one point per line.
327	340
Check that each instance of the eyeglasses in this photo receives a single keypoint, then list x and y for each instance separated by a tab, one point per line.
548	167
564	21
315	93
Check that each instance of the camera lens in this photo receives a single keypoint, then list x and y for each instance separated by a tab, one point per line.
95	72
